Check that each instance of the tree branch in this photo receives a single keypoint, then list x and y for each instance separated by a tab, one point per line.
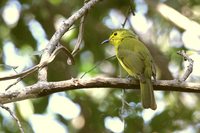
51	46
14	117
46	88
189	67
41	64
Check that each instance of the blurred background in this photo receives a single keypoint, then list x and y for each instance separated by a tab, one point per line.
165	26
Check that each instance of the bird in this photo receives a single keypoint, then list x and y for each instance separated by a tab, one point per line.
136	59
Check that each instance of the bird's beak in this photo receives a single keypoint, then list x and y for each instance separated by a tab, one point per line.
105	41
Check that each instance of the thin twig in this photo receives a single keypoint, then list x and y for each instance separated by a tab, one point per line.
26	72
68	53
8	66
17	81
189	67
130	10
122	109
80	35
96	66
14	117
126	17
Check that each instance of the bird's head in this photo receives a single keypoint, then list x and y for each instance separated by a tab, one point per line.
118	35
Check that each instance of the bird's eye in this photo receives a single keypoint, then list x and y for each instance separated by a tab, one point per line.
115	34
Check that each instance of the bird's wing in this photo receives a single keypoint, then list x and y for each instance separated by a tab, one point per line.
130	57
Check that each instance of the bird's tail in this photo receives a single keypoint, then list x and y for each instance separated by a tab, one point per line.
147	95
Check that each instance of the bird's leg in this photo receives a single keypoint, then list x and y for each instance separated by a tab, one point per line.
141	78
131	78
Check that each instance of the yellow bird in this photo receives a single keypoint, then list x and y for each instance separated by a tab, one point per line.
136	59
